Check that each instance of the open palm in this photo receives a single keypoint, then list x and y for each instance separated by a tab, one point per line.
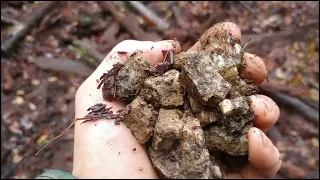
104	150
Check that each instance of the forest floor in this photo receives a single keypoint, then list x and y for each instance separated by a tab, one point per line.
49	48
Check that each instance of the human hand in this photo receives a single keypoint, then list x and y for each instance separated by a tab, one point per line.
105	150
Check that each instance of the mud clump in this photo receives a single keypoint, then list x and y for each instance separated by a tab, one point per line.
187	116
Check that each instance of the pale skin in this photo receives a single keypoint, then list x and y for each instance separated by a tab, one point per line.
104	150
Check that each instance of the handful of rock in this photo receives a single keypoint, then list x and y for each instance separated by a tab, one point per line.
194	115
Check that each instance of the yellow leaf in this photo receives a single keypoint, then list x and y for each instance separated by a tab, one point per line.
42	139
296	81
16	156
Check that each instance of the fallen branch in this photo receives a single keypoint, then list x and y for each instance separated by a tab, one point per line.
129	22
280	38
296	104
178	16
161	24
9	21
23	29
64	65
296	92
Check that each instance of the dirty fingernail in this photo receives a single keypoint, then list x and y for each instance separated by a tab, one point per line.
176	45
264	139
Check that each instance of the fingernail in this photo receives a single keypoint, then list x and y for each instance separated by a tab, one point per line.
262	136
266	104
176	45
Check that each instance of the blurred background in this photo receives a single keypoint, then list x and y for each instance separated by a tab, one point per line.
49	48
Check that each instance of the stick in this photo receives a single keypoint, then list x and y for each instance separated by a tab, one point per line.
161	24
246	45
244	4
45	7
299	106
177	15
57	136
295	34
64	65
9	21
129	22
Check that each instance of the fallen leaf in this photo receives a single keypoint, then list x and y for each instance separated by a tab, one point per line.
20	92
35	82
42	138
32	106
52	79
16	156
18	100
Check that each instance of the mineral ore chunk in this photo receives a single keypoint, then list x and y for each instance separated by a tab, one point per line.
163	90
231	107
217	138
201	79
168	129
140	117
128	80
187	159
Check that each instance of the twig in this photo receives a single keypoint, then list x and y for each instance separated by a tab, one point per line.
57	137
9	21
45	7
13	166
129	22
161	24
244	4
296	104
97	111
246	45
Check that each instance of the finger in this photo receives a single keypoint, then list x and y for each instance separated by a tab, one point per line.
195	48
265	110
229	27
264	157
255	68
